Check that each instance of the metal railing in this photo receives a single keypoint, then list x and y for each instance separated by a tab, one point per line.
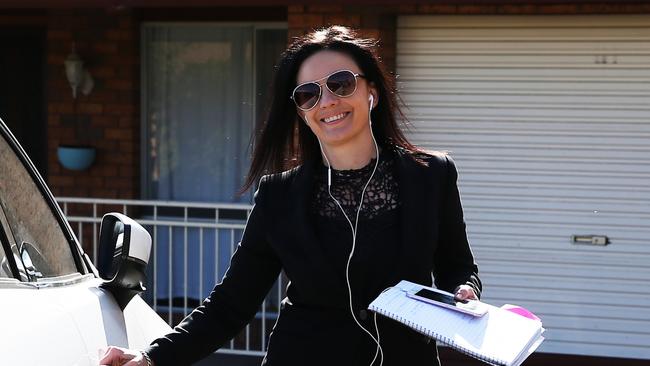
192	246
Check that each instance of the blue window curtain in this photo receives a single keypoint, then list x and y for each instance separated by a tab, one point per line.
199	111
198	83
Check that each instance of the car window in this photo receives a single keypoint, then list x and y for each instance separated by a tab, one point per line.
41	244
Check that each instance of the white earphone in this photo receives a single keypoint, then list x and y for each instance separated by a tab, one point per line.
378	351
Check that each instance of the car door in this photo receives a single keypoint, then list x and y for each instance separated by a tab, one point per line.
51	306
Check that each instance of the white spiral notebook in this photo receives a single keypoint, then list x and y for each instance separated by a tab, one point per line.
499	337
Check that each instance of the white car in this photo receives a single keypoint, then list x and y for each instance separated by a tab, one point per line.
56	307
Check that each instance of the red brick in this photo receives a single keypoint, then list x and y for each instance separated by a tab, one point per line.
119	35
53	167
124	158
105	48
126	22
325	8
127	171
101	96
517	9
125	73
476	9
106	145
103	72
105	192
119	109
119	183
120	60
437	9
53	119
90	108
118	133
558	9
103	121
61	181
60	108
305	20
107	170
126	122
61	133
407	9
127	146
93	181
347	20
76	192
119	84
56	59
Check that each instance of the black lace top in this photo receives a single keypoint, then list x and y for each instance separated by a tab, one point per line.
380	196
378	235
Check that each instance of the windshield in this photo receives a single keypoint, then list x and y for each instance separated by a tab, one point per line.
33	231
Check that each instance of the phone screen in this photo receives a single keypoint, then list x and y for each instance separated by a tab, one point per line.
436	296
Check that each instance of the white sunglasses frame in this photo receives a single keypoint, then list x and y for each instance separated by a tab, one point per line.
320	87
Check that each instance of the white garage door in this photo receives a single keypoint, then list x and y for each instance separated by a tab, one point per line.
548	119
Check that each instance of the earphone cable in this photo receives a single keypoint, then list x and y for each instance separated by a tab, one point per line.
378	351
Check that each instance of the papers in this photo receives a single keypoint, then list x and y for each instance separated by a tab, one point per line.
499	337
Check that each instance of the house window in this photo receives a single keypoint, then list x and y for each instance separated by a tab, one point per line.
204	90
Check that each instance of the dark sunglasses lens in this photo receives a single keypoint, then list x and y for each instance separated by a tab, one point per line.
342	83
306	96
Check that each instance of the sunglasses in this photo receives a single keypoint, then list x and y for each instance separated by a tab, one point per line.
342	83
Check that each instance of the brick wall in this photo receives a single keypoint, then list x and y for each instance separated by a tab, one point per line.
374	22
108	117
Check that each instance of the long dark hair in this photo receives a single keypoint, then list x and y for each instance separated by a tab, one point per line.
285	141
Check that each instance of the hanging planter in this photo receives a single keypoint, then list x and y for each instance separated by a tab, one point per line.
76	157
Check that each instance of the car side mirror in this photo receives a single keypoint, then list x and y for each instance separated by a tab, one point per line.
124	250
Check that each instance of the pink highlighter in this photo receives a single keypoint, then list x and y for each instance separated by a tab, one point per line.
521	311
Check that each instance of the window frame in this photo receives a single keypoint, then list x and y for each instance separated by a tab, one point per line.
145	189
80	260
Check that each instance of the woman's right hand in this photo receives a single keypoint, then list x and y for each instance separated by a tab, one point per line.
118	356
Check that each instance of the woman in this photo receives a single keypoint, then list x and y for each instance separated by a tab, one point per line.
361	210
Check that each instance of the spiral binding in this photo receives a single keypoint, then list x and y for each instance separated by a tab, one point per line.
449	342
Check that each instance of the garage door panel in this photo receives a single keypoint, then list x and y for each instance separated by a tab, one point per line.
539	47
513	59
590	73
586	208
564	34
556	273
613	101
564	230
531	126
514	110
590	284
540	87
548	121
537	138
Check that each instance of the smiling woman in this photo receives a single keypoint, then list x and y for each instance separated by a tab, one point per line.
360	210
310	63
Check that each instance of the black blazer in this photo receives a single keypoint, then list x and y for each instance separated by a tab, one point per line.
278	236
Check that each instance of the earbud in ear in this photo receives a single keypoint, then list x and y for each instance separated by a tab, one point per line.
371	99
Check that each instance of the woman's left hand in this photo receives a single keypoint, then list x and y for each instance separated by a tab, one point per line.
465	292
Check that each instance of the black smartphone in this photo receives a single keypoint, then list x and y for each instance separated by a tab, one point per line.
447	300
